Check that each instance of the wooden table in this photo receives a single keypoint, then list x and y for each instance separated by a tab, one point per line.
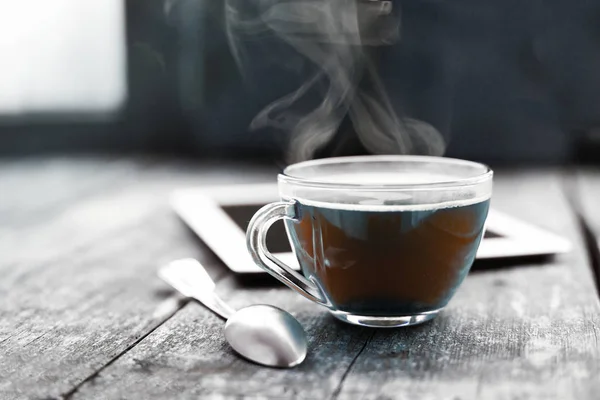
84	316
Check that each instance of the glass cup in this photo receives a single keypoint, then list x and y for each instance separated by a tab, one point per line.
382	241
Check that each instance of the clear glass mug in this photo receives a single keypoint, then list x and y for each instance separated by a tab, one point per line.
382	241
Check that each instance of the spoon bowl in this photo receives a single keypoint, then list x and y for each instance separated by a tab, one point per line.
267	335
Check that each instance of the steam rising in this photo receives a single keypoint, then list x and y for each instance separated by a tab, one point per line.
336	37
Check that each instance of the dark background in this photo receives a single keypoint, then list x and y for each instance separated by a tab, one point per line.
505	81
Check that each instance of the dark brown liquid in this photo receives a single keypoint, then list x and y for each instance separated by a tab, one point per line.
397	262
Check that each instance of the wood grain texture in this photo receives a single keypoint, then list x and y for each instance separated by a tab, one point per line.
530	331
80	244
188	357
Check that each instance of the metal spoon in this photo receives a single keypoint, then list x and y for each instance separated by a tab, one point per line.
261	333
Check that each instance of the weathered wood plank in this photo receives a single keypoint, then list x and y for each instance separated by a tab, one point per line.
24	183
78	286
187	357
62	320
63	196
525	332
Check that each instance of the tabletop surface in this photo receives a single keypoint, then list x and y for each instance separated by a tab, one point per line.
84	316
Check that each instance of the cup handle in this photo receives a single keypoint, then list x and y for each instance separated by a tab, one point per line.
256	240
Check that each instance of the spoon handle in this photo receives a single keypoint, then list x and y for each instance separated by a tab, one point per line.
216	305
190	278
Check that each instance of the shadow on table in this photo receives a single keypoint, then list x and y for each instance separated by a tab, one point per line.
509	263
